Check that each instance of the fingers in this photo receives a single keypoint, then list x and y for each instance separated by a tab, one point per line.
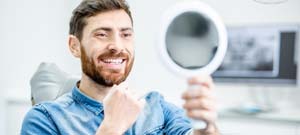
117	92
123	86
197	93
198	103
121	94
110	94
205	81
208	116
130	94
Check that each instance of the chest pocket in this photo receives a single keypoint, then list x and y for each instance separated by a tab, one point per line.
156	131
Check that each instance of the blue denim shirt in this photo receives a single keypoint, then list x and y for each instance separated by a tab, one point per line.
77	114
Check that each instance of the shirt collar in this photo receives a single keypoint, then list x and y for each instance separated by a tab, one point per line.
88	102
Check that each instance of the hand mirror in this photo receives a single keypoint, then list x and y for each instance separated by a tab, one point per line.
192	41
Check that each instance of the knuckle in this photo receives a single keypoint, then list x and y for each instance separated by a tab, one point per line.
201	102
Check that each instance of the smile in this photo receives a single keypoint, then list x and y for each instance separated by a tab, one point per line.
113	61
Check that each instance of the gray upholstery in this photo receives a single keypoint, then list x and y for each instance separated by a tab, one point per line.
50	82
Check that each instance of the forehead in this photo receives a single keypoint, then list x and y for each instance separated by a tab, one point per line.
112	19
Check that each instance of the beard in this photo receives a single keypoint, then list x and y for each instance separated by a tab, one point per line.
99	75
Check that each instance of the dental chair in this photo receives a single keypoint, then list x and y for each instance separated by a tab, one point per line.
50	82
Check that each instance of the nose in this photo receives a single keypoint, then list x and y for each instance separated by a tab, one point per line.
116	45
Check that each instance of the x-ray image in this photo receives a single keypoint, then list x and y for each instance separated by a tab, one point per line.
252	52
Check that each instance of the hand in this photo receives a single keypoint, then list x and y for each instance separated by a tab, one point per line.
121	109
200	104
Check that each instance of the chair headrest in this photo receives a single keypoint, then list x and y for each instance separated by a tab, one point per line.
49	82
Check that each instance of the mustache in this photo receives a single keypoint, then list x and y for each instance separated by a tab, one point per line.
109	54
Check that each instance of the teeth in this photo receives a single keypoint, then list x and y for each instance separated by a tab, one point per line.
113	61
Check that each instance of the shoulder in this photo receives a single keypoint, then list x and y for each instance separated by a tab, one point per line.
153	102
175	121
155	97
60	103
156	100
37	120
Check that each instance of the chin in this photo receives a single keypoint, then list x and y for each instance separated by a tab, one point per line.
115	79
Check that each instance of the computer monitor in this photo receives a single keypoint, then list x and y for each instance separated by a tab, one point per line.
260	54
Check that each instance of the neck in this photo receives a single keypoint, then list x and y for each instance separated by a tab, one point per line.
93	89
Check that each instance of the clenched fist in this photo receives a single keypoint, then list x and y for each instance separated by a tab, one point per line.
121	110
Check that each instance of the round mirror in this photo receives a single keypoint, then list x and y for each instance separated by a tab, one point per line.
193	39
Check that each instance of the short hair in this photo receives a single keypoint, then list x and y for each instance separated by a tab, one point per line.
89	8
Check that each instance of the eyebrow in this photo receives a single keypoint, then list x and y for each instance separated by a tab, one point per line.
127	29
108	29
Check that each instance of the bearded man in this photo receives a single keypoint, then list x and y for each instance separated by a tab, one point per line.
102	35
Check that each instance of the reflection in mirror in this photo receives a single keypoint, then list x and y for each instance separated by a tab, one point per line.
191	40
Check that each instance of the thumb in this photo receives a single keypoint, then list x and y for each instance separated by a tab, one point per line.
142	103
110	93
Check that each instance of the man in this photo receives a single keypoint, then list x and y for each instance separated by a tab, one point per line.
101	35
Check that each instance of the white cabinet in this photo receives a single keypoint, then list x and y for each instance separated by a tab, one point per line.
255	126
298	129
13	113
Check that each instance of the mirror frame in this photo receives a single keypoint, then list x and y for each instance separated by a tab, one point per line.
212	16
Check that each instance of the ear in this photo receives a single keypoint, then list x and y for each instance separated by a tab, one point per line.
74	46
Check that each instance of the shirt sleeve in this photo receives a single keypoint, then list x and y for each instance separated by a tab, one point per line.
176	122
37	122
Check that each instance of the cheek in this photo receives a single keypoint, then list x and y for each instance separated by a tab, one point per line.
90	56
93	46
130	49
94	53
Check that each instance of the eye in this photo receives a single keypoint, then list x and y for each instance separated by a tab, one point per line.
101	35
127	35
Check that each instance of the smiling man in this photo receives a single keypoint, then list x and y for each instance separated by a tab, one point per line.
101	35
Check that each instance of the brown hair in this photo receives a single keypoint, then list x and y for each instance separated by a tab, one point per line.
89	8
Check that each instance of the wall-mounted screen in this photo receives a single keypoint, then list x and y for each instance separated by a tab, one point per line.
260	54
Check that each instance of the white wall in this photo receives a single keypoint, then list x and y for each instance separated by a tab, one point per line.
36	30
150	73
30	32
